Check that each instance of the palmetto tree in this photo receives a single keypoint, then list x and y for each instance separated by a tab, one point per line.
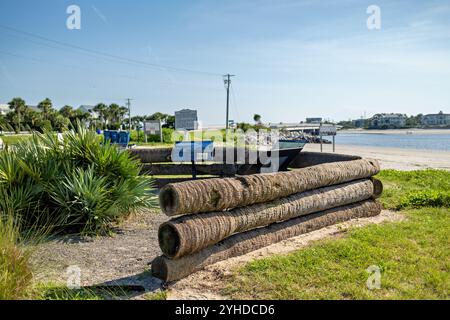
102	110
18	106
46	107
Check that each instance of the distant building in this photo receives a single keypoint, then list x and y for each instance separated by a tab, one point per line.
186	119
359	123
388	121
4	109
90	110
313	120
439	119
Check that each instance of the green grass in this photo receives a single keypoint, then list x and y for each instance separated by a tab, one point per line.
15	271
413	255
159	295
401	185
12	140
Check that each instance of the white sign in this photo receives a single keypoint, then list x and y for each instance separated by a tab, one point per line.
327	130
152	127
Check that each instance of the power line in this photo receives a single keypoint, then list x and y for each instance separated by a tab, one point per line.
236	108
105	54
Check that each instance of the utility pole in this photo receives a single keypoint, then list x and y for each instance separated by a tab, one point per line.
129	114
227	82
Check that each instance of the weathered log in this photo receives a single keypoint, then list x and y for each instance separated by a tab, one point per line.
220	194
186	169
308	158
152	155
187	234
242	243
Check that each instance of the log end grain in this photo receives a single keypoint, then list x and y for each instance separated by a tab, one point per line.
160	269
169	240
168	200
377	188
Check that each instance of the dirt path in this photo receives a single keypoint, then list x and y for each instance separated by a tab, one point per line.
125	258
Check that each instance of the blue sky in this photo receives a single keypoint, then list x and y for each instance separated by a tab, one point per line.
293	58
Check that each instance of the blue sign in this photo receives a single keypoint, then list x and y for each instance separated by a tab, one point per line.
188	151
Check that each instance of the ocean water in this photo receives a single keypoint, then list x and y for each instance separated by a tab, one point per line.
439	142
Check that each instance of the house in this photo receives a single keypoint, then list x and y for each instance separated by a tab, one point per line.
359	123
4	109
436	120
90	110
388	121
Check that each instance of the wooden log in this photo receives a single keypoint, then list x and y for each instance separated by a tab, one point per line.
308	159
187	234
152	155
242	243
186	169
220	194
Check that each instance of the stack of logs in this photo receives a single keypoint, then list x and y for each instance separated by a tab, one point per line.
223	218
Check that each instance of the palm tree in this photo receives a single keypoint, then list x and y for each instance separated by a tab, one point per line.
257	118
101	109
46	107
18	106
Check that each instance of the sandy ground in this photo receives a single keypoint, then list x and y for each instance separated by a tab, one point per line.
125	258
393	158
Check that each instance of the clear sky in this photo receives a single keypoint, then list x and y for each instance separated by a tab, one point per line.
292	58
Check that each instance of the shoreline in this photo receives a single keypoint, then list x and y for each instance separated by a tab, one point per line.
396	131
392	158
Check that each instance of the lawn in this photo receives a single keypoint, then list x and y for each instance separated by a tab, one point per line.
412	255
11	140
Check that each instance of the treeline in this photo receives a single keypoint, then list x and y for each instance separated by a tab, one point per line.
410	122
45	117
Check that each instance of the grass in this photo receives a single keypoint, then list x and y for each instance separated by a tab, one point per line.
401	185
15	271
159	295
412	255
14	139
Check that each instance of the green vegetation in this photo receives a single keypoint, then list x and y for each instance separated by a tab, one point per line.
12	140
75	185
45	118
15	272
412	255
405	188
159	295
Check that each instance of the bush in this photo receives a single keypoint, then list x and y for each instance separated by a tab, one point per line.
76	184
426	198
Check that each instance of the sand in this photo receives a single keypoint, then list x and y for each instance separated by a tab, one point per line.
393	158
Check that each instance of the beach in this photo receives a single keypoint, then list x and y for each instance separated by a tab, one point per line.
392	158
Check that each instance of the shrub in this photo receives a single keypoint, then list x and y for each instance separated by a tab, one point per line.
425	198
77	184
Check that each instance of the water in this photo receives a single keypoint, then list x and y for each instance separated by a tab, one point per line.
439	142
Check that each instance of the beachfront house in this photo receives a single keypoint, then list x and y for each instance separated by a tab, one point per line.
440	119
4	109
388	121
